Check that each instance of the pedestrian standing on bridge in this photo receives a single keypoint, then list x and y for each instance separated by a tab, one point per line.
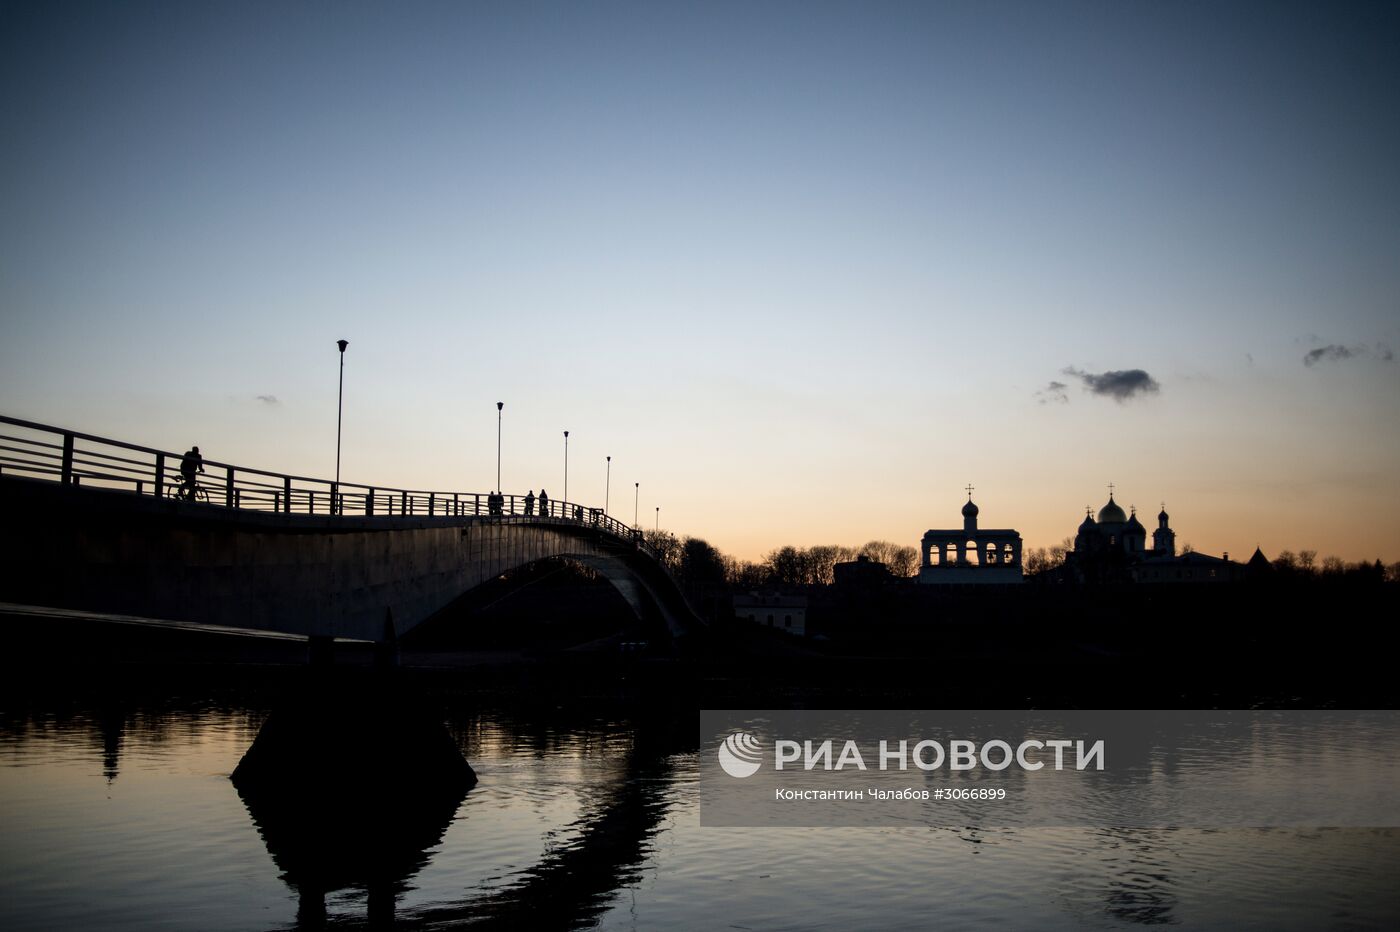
544	504
530	503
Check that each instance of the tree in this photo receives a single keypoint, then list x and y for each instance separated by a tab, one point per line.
1044	559
900	561
786	566
667	548
742	574
880	551
1038	561
701	566
821	563
904	561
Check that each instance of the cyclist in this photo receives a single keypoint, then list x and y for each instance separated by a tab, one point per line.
191	464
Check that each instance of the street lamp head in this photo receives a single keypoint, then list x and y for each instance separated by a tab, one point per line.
566	434
342	344
500	405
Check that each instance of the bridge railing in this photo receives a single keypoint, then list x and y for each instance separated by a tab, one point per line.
38	451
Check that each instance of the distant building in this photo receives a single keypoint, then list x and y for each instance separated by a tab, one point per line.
1113	549
1187	568
771	610
1259	568
970	555
861	571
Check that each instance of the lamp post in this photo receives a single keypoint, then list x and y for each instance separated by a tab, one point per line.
566	465
499	406
637	497
658	519
339	409
607	489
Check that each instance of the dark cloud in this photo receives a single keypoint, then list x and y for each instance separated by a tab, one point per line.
1336	352
269	399
1053	393
1331	351
1118	384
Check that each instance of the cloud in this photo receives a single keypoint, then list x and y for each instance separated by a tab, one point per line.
269	399
1053	393
1119	384
1331	351
1336	352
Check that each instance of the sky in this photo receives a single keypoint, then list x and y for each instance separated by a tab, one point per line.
803	270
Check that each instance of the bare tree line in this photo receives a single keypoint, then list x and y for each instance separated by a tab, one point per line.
1305	565
696	564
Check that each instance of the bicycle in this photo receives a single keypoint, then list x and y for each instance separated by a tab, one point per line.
194	492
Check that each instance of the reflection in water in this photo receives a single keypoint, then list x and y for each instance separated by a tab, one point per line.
350	784
1140	881
374	844
111	722
379	845
573	884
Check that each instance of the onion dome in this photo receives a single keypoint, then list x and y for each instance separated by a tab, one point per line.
1088	524
1162	515
1133	523
1112	513
969	510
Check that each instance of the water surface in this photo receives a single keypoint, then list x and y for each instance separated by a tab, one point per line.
126	819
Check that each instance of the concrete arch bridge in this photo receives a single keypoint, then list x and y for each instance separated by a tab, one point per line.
100	525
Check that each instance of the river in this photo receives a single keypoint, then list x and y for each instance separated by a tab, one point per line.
123	817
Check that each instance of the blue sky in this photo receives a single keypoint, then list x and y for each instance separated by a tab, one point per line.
804	270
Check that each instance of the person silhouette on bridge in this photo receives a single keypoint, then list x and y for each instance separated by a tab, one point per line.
530	503
544	504
189	465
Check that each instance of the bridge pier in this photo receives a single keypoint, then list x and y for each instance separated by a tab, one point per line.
349	784
386	649
351	729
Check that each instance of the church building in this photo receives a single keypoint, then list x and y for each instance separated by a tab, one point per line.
1114	549
970	555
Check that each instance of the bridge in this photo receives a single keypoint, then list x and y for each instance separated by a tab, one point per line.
95	524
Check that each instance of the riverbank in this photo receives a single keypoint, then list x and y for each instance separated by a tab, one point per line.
1198	664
